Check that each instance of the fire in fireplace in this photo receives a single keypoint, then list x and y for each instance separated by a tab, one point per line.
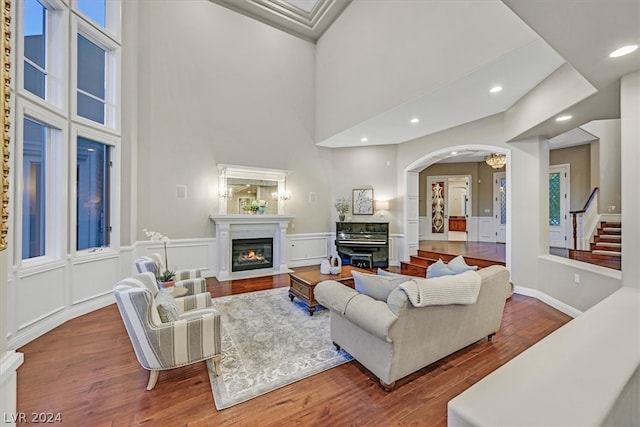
251	254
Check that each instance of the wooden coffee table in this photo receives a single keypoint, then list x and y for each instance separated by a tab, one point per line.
301	284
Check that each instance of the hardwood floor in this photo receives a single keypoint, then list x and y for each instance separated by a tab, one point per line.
497	252
483	250
87	371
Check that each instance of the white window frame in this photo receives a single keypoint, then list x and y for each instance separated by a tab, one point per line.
112	75
114	194
57	54
112	18
57	176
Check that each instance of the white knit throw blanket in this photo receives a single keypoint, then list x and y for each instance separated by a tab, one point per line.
460	288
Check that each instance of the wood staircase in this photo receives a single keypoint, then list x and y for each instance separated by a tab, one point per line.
417	265
608	239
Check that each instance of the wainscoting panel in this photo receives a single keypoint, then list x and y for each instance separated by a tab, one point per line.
309	249
38	296
486	232
423	224
94	278
472	229
183	253
395	249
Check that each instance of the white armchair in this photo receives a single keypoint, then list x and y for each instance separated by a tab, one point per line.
189	279
192	337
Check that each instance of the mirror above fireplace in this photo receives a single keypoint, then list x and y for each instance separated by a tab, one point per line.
239	186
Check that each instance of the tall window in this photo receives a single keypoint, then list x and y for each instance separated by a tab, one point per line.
35	51
67	95
34	208
96	10
91	80
92	171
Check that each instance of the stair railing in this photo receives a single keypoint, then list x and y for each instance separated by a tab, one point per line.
585	219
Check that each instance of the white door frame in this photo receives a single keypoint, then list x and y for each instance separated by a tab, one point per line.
560	236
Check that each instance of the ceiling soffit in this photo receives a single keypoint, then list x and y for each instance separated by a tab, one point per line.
286	16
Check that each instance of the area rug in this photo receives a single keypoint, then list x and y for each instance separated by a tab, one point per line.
269	342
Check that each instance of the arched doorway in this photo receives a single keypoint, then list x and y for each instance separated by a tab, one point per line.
412	196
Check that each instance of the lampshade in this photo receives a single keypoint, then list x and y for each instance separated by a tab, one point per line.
496	160
382	205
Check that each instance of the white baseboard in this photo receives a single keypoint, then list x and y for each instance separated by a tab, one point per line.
557	304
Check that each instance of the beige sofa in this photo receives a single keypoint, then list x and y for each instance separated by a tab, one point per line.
393	338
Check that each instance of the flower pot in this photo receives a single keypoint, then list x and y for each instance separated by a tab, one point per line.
341	217
261	210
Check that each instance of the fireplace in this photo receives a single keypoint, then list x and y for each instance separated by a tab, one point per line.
251	254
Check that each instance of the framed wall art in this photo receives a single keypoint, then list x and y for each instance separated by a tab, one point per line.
362	201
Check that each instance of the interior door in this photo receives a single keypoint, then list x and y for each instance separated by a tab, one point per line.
559	206
437	210
500	206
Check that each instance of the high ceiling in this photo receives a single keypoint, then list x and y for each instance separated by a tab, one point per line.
307	19
578	33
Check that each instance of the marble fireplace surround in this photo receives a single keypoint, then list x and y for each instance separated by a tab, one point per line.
243	226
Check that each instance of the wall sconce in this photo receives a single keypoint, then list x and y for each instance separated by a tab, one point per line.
225	193
382	205
281	195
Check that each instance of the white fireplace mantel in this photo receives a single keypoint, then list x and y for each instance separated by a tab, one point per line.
230	226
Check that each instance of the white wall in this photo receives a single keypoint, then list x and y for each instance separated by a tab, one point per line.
369	167
233	91
608	167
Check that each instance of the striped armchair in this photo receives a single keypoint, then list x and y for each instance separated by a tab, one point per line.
193	338
189	279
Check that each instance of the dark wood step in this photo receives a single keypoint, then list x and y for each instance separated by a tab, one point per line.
606	253
481	263
418	260
600	247
413	269
615	224
609	230
609	238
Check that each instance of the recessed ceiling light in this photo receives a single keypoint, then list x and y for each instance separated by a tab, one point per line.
624	50
364	139
453	153
415	120
563	118
495	89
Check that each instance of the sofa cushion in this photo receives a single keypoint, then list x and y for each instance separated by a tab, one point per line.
461	288
438	269
382	272
377	287
459	265
167	307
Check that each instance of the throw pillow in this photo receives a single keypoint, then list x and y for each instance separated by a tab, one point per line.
386	273
377	287
459	265
167	307
438	269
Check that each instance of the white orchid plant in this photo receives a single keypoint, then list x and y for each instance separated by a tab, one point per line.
166	275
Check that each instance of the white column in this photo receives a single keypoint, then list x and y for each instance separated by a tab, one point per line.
630	150
222	236
527	209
